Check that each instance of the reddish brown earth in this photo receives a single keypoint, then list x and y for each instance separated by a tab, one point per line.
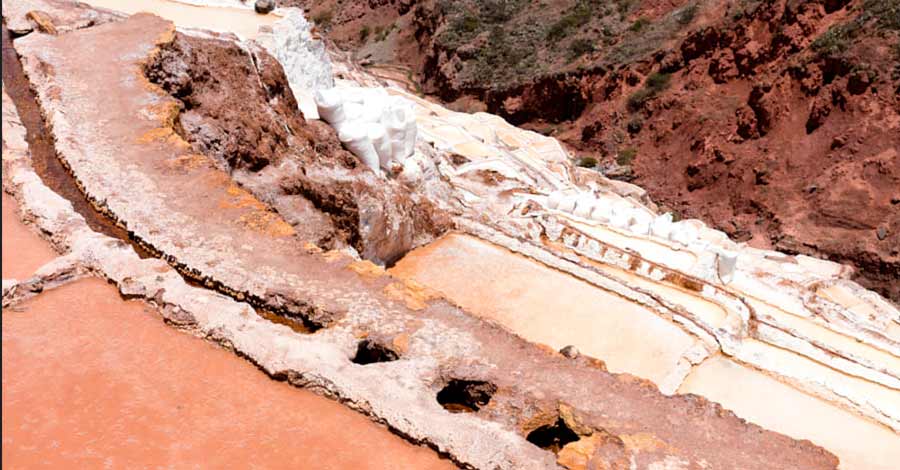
90	380
776	121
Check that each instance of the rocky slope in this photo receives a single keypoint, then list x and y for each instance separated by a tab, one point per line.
775	121
237	107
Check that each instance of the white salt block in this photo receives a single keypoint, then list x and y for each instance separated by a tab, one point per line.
353	111
554	199
662	226
330	105
726	262
356	138
353	94
381	143
567	204
412	171
684	233
584	205
622	214
600	212
641	222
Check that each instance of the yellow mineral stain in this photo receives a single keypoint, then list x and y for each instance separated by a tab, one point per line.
411	293
366	269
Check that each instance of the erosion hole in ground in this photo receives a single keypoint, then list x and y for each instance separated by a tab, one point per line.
552	437
465	396
370	352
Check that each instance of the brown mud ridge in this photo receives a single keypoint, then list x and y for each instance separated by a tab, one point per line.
387	348
775	121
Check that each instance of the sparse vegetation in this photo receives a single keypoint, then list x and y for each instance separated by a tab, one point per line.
687	14
498	11
364	33
381	32
626	156
322	18
835	41
587	162
655	83
639	24
579	47
882	14
577	17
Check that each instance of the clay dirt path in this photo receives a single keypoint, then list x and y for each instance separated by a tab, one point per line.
91	380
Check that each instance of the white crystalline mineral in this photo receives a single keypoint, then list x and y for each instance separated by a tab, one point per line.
554	199
622	214
600	212
370	122
725	264
584	205
641	222
662	226
356	138
568	203
304	59
684	232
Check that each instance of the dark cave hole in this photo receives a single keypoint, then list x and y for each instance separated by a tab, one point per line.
370	352
552	437
465	396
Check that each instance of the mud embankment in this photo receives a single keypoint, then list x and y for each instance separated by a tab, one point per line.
235	105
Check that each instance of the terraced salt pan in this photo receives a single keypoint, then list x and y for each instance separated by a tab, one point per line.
23	250
547	306
756	397
649	249
243	22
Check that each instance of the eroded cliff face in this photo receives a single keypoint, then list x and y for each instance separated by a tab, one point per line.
237	107
775	121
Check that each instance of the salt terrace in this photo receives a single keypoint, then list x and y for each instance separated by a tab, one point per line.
548	316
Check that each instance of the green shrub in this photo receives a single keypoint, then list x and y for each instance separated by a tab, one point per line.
498	11
886	12
579	16
639	24
381	33
364	33
622	6
587	162
653	85
637	99
658	81
580	47
687	15
835	41
626	156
